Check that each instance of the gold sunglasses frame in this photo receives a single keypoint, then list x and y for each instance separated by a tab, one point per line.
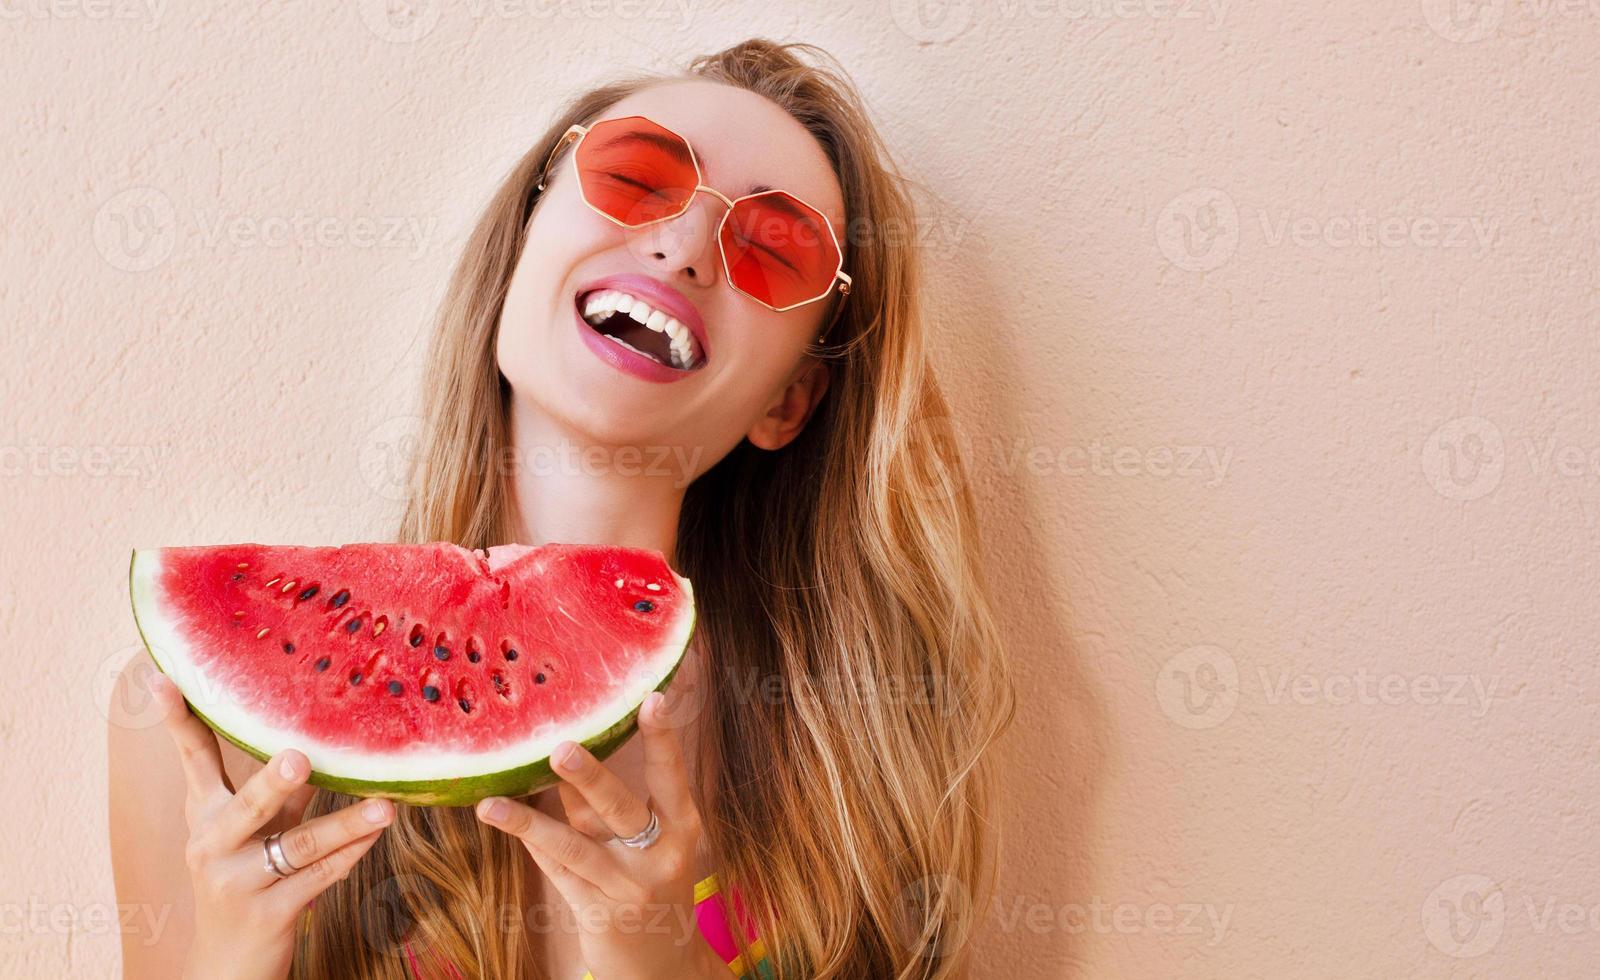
840	277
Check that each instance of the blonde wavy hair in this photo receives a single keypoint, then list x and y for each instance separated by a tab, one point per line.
843	570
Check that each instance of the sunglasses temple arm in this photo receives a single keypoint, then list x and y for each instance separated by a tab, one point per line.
845	283
555	151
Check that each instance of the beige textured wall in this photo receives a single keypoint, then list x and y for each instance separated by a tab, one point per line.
1273	327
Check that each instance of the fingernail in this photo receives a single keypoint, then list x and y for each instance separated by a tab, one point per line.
573	759
289	767
493	809
375	812
654	702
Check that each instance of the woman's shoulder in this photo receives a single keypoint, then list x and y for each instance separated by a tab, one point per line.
137	731
148	830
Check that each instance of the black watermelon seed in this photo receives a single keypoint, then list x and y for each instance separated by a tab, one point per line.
339	599
538	678
464	705
395	687
511	654
322	664
441	653
309	593
353	625
237	576
473	656
288	647
644	605
355	678
430	692
416	639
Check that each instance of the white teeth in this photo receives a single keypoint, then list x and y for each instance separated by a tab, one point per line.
604	302
675	330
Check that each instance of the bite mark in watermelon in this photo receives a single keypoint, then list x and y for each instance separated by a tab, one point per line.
428	674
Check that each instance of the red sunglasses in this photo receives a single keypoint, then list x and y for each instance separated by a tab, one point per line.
776	249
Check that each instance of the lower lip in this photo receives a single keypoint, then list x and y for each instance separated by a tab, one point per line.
624	359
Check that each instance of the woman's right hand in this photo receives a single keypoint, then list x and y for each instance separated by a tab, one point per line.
245	915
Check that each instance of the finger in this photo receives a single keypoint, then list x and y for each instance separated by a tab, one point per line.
665	769
580	893
259	799
624	813
580	814
562	847
289	896
306	844
197	744
294	810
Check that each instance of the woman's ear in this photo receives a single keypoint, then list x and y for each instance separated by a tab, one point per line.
788	414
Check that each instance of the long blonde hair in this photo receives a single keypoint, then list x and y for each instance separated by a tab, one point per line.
842	571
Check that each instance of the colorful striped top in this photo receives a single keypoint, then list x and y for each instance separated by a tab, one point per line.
714	926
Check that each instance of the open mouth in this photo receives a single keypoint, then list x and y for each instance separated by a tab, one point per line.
632	323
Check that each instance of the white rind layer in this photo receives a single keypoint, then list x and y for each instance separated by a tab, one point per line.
211	698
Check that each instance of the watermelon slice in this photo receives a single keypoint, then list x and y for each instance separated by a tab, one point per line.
427	673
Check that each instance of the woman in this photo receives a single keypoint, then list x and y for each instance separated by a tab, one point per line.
821	759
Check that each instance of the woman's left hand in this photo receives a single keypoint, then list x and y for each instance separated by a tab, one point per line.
634	906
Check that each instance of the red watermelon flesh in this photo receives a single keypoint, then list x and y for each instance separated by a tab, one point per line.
426	673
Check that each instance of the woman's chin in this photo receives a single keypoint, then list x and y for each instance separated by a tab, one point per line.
598	430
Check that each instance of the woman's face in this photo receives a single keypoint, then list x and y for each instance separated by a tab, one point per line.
754	378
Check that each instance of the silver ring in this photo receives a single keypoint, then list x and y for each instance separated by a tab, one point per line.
645	837
276	862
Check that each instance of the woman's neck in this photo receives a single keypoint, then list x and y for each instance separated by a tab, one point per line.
571	492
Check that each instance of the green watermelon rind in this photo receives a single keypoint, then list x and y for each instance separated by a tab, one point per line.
457	791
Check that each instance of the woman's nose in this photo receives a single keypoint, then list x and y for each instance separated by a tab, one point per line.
687	242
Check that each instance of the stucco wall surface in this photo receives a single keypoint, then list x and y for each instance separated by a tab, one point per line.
1271	327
